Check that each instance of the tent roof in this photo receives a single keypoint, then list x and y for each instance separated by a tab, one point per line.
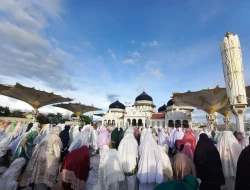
77	107
35	98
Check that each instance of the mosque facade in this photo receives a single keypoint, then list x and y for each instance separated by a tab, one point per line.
143	113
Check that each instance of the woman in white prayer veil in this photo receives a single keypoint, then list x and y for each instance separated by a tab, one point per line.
229	150
73	133
43	167
162	137
172	138
128	149
245	141
81	139
10	176
150	169
167	167
143	133
110	174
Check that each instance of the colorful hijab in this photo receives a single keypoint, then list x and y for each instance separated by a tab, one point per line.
75	168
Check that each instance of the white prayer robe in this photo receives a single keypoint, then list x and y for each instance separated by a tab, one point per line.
150	169
128	150
229	150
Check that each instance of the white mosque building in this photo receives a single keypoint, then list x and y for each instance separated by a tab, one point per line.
143	113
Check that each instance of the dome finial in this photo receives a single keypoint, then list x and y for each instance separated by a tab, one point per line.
227	34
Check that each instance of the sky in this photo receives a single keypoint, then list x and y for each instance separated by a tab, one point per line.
99	51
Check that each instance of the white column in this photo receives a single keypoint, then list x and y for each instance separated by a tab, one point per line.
234	77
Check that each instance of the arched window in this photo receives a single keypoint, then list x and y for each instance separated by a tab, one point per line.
163	124
134	122
139	122
177	123
153	123
158	123
185	124
170	123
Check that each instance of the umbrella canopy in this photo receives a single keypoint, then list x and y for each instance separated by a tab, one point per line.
225	111
4	87
100	114
77	108
33	97
209	100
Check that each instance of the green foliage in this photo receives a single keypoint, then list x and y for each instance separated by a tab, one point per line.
86	119
42	119
4	111
17	113
55	118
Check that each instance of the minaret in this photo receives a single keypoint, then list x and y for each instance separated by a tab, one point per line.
234	77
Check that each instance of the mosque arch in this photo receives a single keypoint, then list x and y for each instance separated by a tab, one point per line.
153	123
109	122
177	123
113	123
134	122
139	122
185	124
158	123
170	123
129	122
105	122
163	124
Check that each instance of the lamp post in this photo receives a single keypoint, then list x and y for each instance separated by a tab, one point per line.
234	77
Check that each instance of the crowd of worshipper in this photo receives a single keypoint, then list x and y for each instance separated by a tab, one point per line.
59	157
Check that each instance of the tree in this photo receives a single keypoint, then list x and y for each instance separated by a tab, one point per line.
42	119
17	113
59	117
6	111
73	116
86	119
51	117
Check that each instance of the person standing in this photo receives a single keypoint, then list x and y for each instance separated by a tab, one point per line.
243	167
94	139
128	150
208	164
43	167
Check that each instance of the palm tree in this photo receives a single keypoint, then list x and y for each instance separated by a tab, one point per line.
51	117
73	116
86	119
59	117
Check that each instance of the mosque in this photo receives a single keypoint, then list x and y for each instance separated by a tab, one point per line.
143	113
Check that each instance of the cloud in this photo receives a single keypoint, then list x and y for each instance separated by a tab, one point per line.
27	54
135	54
132	41
150	44
112	97
129	61
156	72
112	54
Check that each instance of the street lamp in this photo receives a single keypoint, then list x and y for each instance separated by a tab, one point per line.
234	77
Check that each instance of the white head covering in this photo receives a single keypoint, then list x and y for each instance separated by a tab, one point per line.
5	145
179	134
172	138
112	168
229	150
150	165
245	141
128	149
167	167
162	138
81	139
10	176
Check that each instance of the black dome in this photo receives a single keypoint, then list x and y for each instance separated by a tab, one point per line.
170	102
144	96
117	105
162	108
